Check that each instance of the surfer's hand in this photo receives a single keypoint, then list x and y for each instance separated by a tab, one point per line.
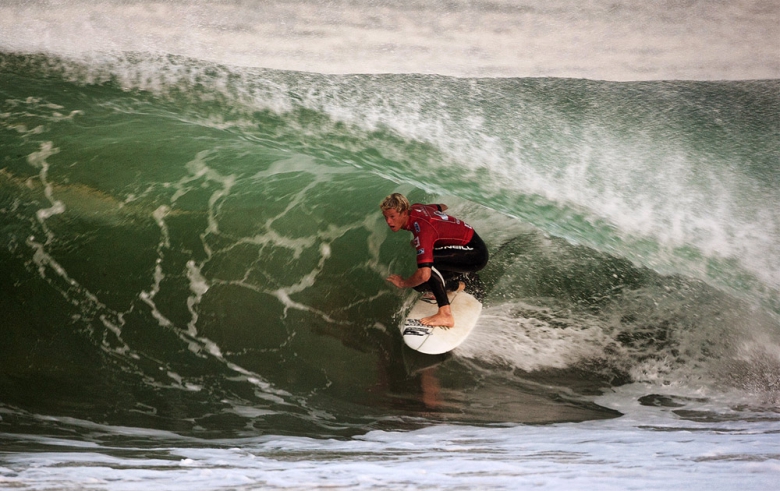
396	279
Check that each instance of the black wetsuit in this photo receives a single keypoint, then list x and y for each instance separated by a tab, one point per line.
448	246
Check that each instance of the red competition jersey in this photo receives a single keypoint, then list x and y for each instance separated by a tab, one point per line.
433	228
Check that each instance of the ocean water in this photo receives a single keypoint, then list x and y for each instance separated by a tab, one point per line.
192	258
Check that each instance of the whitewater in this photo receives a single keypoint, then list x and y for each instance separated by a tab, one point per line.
192	258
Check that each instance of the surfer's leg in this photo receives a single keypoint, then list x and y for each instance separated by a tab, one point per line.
446	275
438	286
449	263
452	282
462	259
443	317
459	264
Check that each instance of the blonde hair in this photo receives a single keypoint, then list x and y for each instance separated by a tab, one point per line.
397	202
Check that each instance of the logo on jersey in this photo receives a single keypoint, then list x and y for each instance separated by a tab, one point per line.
417	227
416	242
441	215
420	252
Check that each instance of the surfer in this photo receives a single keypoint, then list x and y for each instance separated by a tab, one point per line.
446	248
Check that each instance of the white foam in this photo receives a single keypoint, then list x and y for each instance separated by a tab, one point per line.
611	455
148	296
505	337
38	159
198	286
159	217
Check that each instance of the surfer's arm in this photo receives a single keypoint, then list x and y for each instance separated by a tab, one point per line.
418	278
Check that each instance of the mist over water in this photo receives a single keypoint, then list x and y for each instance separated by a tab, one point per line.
192	258
620	40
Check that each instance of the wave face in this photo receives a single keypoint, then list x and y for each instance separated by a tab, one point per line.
198	248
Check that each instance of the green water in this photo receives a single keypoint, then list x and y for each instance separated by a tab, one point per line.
191	247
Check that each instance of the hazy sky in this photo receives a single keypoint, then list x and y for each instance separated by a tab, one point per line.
598	39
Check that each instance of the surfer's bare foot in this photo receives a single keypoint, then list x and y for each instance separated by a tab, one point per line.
442	318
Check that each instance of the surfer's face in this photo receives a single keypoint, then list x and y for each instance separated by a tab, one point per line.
395	220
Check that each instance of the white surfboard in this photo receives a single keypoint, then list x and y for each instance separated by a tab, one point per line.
438	340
